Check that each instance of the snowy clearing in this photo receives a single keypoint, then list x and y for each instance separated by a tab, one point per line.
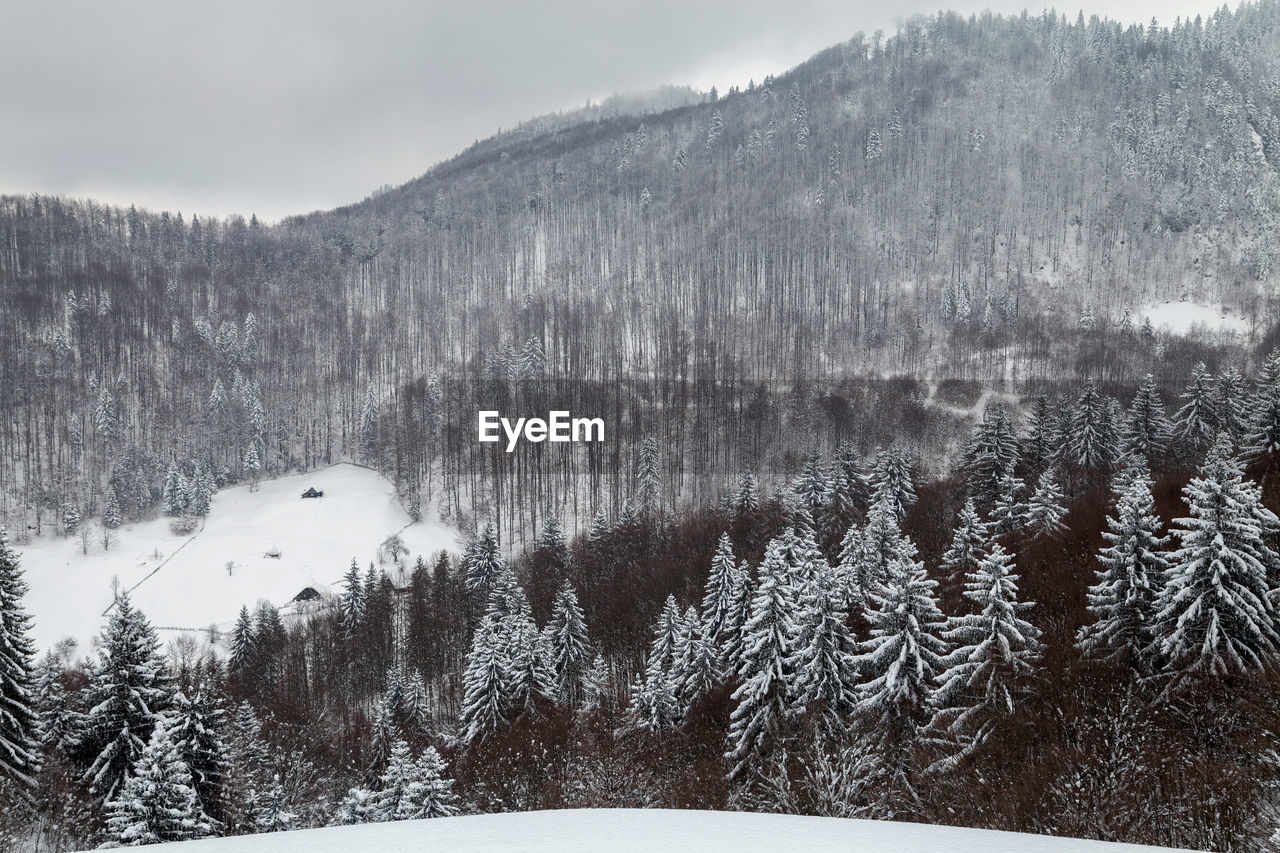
646	831
1181	317
191	587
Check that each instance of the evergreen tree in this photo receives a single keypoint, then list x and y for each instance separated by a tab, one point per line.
967	544
648	477
157	802
128	691
696	667
551	541
627	518
569	645
268	627
206	486
733	635
1093	430
991	455
595	684
197	733
812	487
666	636
174	496
891	481
384	736
353	599
1041	442
251	463
19	724
1123	601
762	699
247	771
532	359
995	651
52	704
111	516
360	805
717	600
1147	430
655	696
481	560
249	341
242	643
485	679
600	528
369	425
804	559
848	574
823	652
104	415
529	672
1216	614
900	664
654	705
414	705
902	658
393	786
1045	509
883	546
70	518
507	599
1229	403
271	811
747	498
1009	513
430	794
1063	452
376	595
1263	435
200	492
1111	431
849	492
1196	423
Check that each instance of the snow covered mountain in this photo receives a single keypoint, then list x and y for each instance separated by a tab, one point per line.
939	481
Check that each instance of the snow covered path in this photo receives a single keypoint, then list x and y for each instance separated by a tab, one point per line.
646	831
192	588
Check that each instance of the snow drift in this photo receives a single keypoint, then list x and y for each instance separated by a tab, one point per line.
646	831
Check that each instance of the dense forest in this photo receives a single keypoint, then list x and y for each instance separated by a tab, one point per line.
988	199
1073	632
903	510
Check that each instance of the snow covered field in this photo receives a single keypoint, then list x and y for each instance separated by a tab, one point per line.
1181	317
183	581
646	831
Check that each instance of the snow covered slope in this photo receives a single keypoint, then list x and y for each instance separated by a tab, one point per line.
646	831
1181	317
183	582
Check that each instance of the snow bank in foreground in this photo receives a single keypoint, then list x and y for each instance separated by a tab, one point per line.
646	831
1181	317
191	587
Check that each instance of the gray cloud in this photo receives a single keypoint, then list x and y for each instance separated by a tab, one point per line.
285	107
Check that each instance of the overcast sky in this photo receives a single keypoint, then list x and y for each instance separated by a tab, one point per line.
280	108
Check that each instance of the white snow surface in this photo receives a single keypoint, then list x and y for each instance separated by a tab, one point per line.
646	831
1181	317
181	582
